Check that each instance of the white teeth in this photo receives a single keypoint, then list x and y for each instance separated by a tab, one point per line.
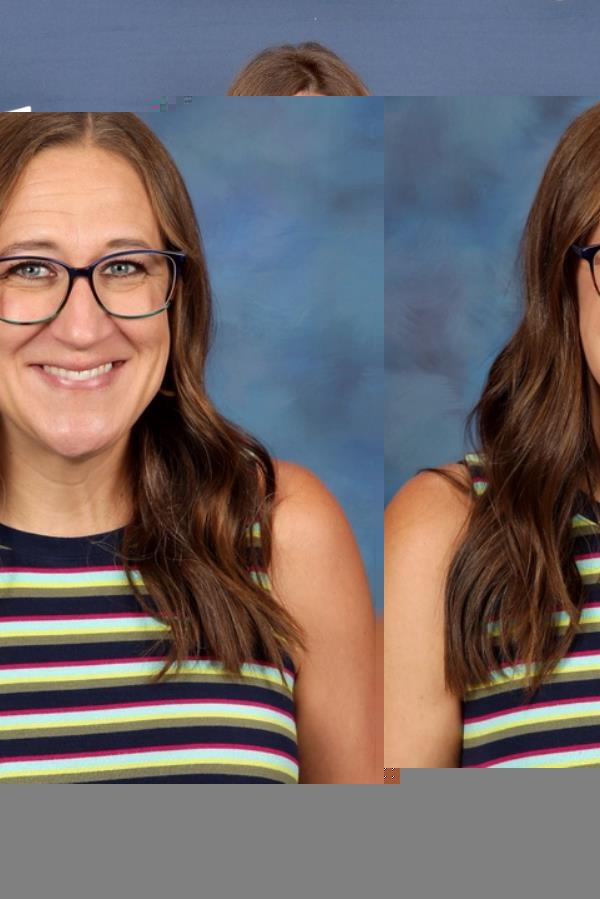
78	375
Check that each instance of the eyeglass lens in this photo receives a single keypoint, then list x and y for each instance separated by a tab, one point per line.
32	289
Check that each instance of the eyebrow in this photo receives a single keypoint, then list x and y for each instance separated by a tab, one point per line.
116	244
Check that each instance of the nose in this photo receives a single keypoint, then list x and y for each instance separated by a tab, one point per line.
82	315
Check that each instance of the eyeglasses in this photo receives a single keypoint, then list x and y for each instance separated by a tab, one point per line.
136	284
589	254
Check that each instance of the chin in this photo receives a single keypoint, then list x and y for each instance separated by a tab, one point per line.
76	446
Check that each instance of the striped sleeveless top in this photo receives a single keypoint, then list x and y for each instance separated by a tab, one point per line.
560	726
76	702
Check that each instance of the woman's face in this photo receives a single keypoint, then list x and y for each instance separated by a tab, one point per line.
76	200
589	310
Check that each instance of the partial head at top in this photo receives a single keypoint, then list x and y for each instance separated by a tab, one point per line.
307	69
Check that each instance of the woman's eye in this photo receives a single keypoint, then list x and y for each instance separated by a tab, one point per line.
24	266
119	268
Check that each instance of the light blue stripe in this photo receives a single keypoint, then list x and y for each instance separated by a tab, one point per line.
530	716
587	616
560	619
588	565
157	757
545	761
80	626
132	669
171	710
566	665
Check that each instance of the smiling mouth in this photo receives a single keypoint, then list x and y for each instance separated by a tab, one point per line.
88	368
98	376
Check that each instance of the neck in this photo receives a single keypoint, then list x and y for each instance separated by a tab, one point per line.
44	493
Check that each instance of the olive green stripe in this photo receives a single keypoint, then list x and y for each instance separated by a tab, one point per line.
147	724
132	636
98	590
530	728
106	683
494	689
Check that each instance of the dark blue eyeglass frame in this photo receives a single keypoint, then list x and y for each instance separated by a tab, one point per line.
87	271
588	253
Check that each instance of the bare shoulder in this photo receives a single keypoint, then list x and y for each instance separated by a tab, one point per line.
308	521
317	569
424	523
430	510
318	574
423	526
299	491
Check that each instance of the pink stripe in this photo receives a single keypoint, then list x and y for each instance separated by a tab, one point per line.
569	655
137	705
533	705
588	556
525	755
17	569
109	752
42	665
582	653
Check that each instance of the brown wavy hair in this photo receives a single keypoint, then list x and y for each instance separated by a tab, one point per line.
289	69
199	482
533	422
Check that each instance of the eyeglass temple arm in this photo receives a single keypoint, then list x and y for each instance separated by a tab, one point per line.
587	253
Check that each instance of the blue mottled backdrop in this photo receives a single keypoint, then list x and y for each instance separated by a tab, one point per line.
289	198
461	173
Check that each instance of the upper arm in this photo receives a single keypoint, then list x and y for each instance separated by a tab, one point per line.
379	630
318	575
423	525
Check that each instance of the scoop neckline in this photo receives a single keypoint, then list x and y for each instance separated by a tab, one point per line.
44	543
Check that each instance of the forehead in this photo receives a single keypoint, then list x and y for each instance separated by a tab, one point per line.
69	186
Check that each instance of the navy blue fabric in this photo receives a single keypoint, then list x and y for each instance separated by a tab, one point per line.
20	550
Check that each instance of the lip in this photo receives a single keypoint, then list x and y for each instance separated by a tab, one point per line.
99	382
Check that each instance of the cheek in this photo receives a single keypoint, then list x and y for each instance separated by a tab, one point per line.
153	340
589	330
14	353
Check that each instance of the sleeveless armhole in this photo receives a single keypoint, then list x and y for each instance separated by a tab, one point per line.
473	462
257	571
260	576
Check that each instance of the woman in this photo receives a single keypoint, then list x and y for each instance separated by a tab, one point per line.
176	605
492	632
307	69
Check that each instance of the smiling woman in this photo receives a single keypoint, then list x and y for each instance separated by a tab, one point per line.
492	561
169	632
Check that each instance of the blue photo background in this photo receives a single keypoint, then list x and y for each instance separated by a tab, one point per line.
112	55
289	199
461	173
68	55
